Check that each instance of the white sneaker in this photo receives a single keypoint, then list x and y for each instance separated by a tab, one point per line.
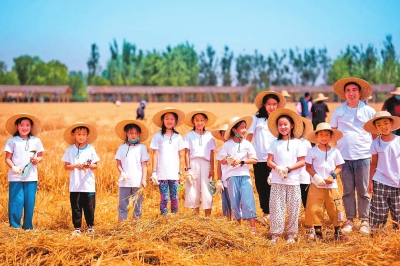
90	230
77	232
290	239
348	227
364	228
311	234
274	239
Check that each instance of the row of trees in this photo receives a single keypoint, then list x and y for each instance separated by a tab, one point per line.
182	66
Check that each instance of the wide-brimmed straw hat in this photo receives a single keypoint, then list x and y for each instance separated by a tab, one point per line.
258	101
396	91
366	88
157	117
308	127
273	117
12	129
119	129
210	116
336	134
285	93
234	121
215	133
320	97
71	140
370	127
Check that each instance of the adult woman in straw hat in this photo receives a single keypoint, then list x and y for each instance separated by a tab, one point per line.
392	105
349	118
266	103
319	110
23	152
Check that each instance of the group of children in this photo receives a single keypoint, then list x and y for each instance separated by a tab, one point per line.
284	162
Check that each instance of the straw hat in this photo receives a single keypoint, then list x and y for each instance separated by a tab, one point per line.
157	117
285	93
119	129
211	117
396	91
273	117
91	136
336	134
258	101
370	127
215	133
320	97
12	129
308	127
234	121
366	88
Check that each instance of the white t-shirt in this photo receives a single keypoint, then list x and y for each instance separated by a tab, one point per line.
388	168
79	181
200	146
168	155
241	153
323	167
356	141
131	162
286	158
21	157
304	175
262	137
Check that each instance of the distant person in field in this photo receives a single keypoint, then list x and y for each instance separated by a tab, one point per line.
319	110
24	150
199	161
132	158
140	110
392	105
81	159
305	108
349	118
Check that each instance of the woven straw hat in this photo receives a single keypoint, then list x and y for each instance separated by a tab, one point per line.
119	129
258	101
396	91
366	88
308	127
320	97
215	133
12	128
71	140
370	127
285	93
336	134
234	121
273	117
211	117
157	117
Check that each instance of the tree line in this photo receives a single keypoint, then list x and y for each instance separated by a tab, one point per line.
181	65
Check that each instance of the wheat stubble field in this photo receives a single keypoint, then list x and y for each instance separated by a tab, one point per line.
181	239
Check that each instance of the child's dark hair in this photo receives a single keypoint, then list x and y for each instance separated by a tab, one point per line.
18	121
352	83
163	128
381	118
128	127
231	134
262	112
80	128
204	115
291	122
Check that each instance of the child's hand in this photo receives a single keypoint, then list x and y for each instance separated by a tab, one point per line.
16	170
144	182
219	187
189	176
319	181
371	187
123	176
329	180
230	160
154	178
269	180
282	171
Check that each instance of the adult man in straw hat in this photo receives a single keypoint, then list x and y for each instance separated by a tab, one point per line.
392	105
319	110
349	118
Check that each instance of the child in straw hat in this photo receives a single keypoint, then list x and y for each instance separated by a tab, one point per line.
319	110
238	153
384	181
199	160
132	158
166	146
392	105
286	157
324	163
222	184
304	175
23	152
81	159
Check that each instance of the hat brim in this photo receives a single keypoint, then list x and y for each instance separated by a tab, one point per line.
69	138
308	127
259	98
272	125
12	129
370	127
366	88
215	133
211	118
320	99
247	119
119	129
157	117
396	91
336	135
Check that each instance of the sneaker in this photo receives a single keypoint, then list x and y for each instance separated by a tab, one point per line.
312	235
348	227
290	239
77	232
364	228
90	230
274	239
339	236
264	219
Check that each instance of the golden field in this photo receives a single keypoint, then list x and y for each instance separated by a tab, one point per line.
180	239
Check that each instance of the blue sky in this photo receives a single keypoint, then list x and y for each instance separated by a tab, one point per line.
65	30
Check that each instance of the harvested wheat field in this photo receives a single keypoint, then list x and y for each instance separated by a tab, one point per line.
180	239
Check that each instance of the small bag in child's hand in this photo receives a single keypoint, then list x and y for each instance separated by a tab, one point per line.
26	170
212	187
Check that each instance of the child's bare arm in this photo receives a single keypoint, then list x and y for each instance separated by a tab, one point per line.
300	163
309	169
187	159
154	160
144	174
119	166
270	161
8	159
372	169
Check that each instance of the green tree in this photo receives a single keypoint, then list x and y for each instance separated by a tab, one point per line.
208	64
93	63
388	53
278	69
7	78
150	67
243	69
226	64
24	67
77	84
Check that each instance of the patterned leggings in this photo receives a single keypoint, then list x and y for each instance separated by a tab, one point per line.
173	194
385	199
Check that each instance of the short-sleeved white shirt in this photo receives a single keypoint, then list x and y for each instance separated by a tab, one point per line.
304	175
79	181
168	155
200	146
262	137
131	158
286	158
323	167
245	151
388	168
21	157
356	141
